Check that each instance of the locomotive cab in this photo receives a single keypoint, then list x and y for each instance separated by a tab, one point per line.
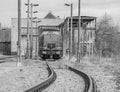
51	47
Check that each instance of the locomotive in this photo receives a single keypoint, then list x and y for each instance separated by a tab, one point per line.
50	46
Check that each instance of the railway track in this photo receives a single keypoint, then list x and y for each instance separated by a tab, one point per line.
7	57
51	78
90	85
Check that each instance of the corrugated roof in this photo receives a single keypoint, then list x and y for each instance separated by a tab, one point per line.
50	20
84	18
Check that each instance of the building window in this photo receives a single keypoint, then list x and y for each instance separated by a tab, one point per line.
23	31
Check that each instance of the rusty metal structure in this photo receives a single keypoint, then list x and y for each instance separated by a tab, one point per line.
87	35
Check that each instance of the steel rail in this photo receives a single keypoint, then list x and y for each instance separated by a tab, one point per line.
2	58
40	87
90	85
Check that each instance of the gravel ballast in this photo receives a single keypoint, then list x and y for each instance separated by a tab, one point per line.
66	81
21	78
101	71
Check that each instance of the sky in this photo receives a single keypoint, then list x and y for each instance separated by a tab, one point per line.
97	8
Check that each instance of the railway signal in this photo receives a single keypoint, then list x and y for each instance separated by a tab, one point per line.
31	34
28	29
36	21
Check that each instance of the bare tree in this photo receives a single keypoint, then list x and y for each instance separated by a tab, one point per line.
106	37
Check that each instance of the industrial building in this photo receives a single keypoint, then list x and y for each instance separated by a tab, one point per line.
48	21
88	28
5	40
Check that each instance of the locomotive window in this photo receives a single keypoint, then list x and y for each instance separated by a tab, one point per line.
51	45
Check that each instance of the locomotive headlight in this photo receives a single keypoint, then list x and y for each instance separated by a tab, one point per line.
57	52
44	52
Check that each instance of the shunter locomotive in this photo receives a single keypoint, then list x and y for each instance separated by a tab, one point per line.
50	46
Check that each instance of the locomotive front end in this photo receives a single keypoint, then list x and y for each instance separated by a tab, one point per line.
52	46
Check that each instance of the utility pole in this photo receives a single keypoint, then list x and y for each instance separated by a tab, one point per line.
71	31
79	29
19	33
28	35
69	40
37	37
68	23
31	33
37	44
73	48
